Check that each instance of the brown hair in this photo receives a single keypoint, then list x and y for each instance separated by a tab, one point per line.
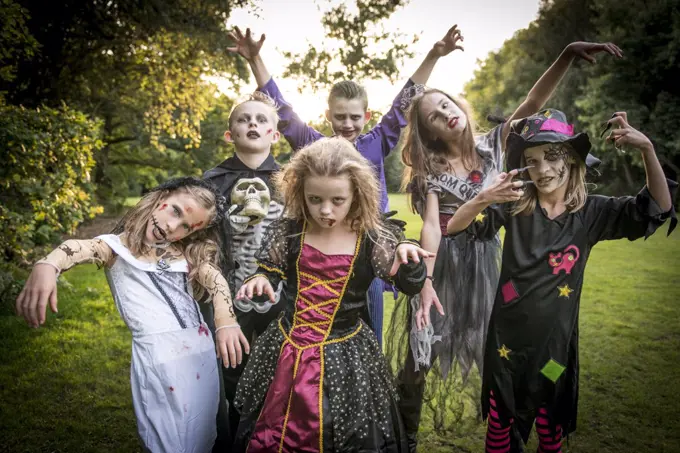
575	196
425	155
332	157
259	96
199	247
348	90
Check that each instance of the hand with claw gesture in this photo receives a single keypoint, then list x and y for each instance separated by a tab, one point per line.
587	50
450	42
624	134
245	45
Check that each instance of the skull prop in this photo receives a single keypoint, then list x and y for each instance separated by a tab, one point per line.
253	195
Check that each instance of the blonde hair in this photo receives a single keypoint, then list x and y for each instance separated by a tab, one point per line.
575	196
331	157
199	247
263	98
425	155
349	90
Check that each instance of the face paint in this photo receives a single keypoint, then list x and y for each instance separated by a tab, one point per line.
196	225
163	207
187	209
555	152
269	131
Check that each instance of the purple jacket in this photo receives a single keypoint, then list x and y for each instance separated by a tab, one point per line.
374	145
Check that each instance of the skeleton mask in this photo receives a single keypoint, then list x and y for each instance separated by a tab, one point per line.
253	195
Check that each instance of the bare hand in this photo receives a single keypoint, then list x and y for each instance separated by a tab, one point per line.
40	287
408	252
450	42
258	286
228	342
625	134
587	50
503	189
428	297
245	46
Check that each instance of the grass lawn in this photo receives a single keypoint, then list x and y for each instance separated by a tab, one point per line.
65	387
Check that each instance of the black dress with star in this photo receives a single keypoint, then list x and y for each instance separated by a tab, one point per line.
531	354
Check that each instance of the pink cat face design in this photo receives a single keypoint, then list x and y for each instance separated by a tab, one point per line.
564	260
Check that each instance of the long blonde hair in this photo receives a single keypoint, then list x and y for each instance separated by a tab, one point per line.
574	198
425	155
332	157
199	247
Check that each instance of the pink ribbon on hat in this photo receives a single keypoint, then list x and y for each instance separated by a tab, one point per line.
554	125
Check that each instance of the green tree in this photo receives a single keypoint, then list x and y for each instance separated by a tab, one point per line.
354	48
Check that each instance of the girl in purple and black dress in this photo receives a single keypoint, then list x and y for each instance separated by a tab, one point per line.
316	380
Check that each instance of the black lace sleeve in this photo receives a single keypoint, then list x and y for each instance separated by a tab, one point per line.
410	277
272	257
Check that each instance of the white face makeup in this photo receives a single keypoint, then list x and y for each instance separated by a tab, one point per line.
252	127
175	218
328	199
442	118
551	166
347	117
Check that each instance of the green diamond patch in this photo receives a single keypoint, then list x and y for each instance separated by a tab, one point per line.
553	370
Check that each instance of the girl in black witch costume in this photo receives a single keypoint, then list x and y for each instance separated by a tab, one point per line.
551	223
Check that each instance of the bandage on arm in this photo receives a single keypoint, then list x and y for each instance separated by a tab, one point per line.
78	251
212	280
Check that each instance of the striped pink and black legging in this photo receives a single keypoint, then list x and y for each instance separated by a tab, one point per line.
498	432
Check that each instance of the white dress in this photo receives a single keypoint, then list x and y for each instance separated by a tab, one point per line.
174	375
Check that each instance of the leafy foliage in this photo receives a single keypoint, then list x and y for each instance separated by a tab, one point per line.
358	47
45	184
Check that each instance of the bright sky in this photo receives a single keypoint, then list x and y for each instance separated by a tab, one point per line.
290	25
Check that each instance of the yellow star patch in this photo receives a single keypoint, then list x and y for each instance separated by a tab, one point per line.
480	217
504	351
565	291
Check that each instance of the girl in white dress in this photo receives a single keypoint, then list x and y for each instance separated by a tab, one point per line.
166	247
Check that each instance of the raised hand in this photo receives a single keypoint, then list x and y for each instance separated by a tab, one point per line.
503	189
40	288
256	286
450	42
408	252
245	45
625	134
587	50
231	344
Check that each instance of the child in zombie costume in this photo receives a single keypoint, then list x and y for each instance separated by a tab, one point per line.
245	181
317	380
164	247
551	225
447	164
347	113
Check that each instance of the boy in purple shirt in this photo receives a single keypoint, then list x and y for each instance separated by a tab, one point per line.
348	114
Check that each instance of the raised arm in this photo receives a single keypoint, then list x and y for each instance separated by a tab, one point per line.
389	128
626	135
41	285
545	86
450	42
297	132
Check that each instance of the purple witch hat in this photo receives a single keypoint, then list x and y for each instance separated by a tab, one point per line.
547	126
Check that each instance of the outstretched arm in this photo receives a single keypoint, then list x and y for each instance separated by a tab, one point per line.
41	285
249	49
545	86
450	42
297	132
